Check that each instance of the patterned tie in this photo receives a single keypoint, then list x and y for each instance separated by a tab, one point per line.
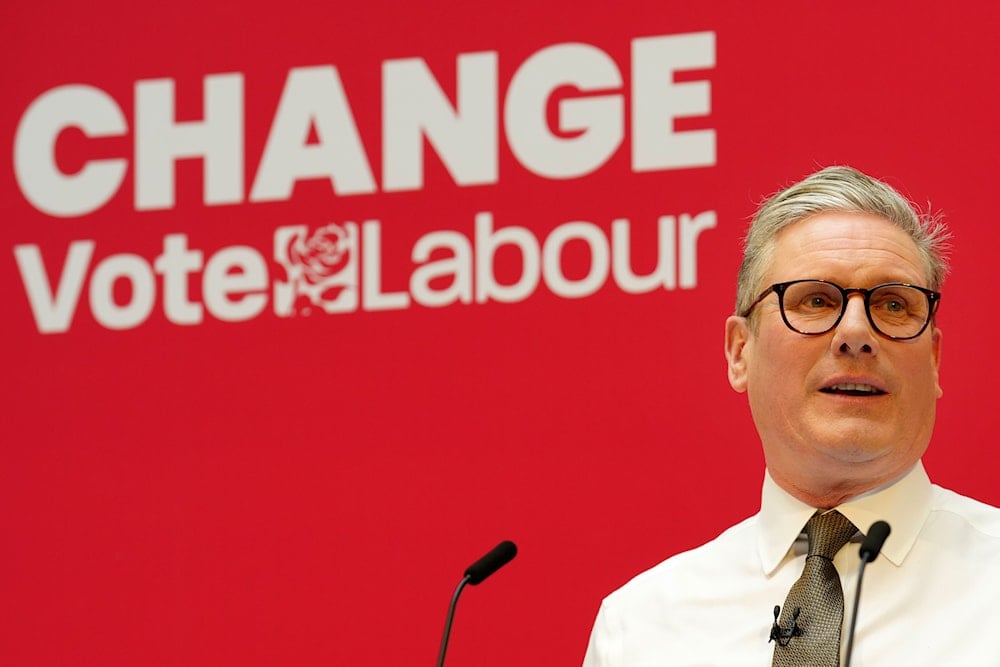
819	598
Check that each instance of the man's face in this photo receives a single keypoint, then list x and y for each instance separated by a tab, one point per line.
815	430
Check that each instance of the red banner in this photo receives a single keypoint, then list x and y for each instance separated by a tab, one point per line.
310	306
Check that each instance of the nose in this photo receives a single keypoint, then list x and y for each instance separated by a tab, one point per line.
854	334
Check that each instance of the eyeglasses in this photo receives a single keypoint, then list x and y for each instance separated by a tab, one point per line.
896	310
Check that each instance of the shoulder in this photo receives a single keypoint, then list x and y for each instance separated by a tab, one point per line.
673	580
969	515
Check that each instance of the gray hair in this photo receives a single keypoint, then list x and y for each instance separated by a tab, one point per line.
840	189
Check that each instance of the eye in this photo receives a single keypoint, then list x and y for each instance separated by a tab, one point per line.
898	301
894	306
817	301
890	303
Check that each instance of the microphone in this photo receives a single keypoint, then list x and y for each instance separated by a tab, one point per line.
780	634
870	548
874	540
497	557
494	559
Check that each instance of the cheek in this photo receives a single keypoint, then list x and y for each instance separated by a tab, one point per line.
931	382
781	362
775	380
781	378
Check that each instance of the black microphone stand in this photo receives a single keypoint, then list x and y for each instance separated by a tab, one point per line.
870	548
451	617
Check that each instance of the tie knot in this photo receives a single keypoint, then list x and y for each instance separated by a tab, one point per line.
828	533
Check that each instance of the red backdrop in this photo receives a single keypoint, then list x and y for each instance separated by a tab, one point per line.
199	469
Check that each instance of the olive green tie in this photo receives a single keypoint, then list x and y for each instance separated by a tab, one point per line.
815	604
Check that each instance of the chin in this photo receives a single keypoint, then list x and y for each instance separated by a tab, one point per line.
856	450
860	455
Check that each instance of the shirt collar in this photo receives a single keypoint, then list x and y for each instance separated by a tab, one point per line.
904	504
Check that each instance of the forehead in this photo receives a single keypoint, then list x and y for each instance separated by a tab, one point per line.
854	249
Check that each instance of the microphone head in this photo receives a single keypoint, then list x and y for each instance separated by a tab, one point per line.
497	557
874	539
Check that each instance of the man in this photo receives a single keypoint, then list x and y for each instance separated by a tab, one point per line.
835	344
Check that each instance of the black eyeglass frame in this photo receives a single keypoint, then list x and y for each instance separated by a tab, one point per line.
933	301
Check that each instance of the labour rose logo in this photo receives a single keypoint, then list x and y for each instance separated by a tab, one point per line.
321	269
324	254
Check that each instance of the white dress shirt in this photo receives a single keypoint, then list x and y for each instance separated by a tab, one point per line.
932	597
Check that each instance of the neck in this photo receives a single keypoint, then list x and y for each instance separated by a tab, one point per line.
828	491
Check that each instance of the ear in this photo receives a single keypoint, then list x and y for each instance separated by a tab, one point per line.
737	336
936	352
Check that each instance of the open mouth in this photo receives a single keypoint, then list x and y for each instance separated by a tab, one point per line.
852	389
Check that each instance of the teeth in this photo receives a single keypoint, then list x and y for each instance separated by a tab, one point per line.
849	386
